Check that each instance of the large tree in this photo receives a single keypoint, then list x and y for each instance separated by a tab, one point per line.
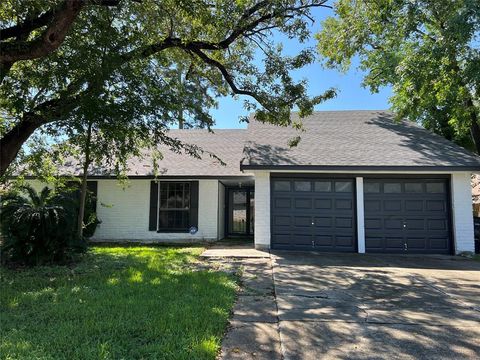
427	50
131	66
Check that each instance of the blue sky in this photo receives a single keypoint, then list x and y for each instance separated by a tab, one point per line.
351	95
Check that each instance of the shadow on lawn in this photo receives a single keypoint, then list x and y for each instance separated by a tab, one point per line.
118	303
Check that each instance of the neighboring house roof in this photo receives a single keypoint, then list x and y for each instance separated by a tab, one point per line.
353	140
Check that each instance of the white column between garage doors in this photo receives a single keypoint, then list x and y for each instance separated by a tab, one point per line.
360	216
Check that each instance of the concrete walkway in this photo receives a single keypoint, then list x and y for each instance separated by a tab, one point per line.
330	306
234	252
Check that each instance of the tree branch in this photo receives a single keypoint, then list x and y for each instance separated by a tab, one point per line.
226	75
48	41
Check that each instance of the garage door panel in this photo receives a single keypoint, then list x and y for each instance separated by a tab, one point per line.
322	213
324	240
394	243
416	243
414	205
284	221
392	205
373	206
341	222
303	203
302	221
372	242
416	224
393	224
282	185
373	224
323	222
439	243
283	203
281	238
437	224
323	203
345	241
435	205
343	204
407	215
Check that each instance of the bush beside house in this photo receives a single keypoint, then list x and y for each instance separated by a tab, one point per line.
40	227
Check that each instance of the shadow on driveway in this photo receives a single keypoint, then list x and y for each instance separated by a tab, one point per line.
333	306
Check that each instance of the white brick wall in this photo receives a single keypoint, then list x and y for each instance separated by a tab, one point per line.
126	214
462	212
262	209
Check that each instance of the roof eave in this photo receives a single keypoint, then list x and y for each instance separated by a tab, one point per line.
347	168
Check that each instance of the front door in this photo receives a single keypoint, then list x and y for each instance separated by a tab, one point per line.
240	211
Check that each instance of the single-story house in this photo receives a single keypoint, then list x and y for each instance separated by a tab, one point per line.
358	181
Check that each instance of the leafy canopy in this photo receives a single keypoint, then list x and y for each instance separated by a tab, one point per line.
131	67
428	50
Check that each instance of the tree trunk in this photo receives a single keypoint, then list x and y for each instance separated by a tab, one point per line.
13	140
83	190
180	119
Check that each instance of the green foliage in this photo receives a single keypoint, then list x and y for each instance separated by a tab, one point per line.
36	227
131	69
428	50
71	191
118	303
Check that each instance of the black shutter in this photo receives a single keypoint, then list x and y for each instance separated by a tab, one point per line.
152	223
92	188
194	203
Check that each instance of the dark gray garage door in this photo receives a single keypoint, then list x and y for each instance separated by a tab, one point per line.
313	214
407	216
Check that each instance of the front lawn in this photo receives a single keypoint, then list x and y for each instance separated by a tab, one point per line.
118	303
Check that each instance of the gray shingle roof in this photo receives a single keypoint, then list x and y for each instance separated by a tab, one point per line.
353	139
225	144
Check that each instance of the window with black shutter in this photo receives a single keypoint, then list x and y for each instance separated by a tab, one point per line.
173	206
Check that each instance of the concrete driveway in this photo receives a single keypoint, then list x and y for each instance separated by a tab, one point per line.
326	306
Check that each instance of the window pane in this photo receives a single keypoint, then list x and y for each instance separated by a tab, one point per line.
174	205
343	186
281	186
303	186
163	197
371	187
323	186
435	188
392	188
174	195
413	187
173	220
186	196
171	196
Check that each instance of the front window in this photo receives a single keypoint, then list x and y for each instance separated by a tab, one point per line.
173	206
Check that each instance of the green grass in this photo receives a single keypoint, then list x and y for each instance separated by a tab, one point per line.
118	303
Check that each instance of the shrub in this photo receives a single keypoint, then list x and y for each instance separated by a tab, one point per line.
36	227
90	220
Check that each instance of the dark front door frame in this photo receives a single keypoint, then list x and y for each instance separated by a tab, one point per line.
228	190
